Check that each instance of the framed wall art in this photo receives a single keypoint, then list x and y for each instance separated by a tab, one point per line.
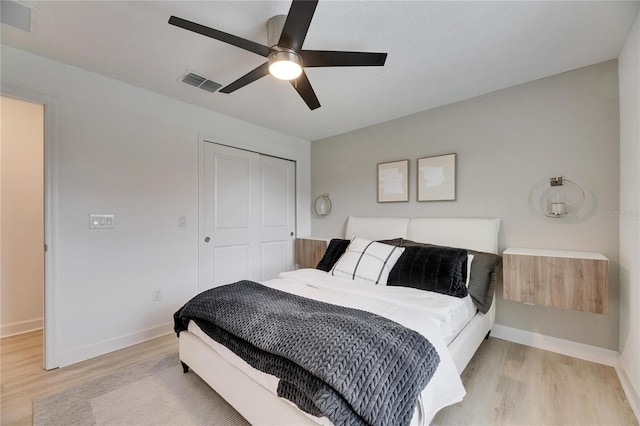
393	182
437	178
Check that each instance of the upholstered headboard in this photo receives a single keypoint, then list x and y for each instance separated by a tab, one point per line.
469	233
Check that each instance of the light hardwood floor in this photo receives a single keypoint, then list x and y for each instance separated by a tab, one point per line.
512	384
507	384
23	379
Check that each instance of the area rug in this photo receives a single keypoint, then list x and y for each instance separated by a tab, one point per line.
154	392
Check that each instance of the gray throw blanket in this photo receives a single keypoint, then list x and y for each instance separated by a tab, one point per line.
352	366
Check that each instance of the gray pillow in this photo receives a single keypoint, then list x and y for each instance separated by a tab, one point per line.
396	242
485	269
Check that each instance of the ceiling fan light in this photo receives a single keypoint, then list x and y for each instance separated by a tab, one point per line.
285	65
285	70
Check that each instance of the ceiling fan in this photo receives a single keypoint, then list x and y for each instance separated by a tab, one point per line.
285	56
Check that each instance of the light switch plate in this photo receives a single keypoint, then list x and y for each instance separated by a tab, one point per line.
102	221
156	296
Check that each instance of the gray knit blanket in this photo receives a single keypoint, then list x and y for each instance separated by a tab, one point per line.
352	366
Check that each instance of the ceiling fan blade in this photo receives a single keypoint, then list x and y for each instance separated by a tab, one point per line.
304	89
297	24
328	58
240	42
249	77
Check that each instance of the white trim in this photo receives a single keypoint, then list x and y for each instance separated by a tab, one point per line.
201	142
50	209
20	327
110	345
555	253
554	344
632	393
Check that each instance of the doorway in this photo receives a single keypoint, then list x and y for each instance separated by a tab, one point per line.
21	217
50	143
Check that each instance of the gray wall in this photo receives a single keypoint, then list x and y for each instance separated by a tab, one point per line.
506	142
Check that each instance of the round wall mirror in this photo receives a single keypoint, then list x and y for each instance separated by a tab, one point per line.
322	205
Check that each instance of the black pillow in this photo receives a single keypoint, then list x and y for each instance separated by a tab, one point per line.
336	248
485	271
432	268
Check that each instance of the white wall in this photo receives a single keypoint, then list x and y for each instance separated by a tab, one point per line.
22	220
629	72
126	151
506	142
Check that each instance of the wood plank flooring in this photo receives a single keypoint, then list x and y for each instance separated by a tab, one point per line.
23	379
507	384
512	384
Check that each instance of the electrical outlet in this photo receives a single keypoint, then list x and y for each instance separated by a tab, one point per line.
156	296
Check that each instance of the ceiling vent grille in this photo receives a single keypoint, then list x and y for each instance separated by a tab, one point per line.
16	15
196	80
210	86
193	79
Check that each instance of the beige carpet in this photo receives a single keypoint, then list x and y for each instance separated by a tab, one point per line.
155	392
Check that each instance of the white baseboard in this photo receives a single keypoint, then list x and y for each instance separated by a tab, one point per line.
554	344
632	392
106	346
20	327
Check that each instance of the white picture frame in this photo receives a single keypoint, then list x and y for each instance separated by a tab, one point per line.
437	178
393	182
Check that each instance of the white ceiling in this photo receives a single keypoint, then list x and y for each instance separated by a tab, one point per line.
439	52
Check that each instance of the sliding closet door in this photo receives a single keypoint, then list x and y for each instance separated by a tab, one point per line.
278	215
231	221
247	215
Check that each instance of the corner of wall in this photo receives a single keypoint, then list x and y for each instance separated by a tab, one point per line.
629	77
630	390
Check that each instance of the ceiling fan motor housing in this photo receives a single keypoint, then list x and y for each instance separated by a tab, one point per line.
285	64
274	29
286	58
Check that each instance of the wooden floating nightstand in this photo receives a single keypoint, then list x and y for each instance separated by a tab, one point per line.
562	279
310	250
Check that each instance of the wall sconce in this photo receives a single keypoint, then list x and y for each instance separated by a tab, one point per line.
322	205
556	197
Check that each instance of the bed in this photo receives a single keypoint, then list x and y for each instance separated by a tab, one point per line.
253	393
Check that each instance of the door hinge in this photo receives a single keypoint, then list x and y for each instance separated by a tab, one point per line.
46	248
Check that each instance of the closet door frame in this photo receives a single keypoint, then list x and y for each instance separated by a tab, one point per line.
205	274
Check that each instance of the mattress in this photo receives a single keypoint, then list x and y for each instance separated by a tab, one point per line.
438	317
449	314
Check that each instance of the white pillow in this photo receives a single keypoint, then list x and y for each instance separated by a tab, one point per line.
367	260
469	260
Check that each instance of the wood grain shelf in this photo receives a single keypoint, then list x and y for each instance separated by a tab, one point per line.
562	279
309	251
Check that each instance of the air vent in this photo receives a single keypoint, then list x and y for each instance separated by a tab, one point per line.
196	80
16	15
193	79
210	86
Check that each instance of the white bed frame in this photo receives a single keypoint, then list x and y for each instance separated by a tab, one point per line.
261	407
